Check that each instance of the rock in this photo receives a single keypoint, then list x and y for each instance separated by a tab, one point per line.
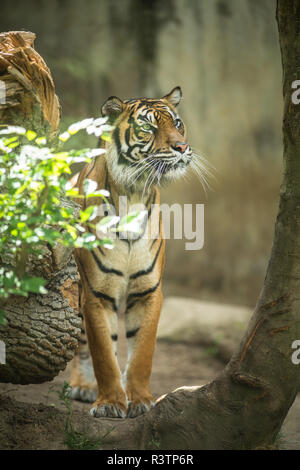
218	327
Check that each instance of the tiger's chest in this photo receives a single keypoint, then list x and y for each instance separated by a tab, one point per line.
132	266
129	268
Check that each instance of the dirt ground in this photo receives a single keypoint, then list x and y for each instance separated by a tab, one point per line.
174	365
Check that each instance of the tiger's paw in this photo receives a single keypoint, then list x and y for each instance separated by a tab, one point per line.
101	409
85	394
140	401
138	408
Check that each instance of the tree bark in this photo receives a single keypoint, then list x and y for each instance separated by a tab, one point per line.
29	93
43	330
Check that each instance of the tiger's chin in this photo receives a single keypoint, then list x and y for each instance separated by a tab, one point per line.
171	175
174	172
161	178
162	181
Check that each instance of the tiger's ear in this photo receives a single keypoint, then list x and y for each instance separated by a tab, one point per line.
174	96
112	108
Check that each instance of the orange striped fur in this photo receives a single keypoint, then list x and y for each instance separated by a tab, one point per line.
147	149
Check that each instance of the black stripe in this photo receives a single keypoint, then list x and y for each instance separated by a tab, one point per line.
84	201
148	270
116	136
148	200
129	306
130	149
114	337
144	293
101	251
101	295
127	137
151	146
128	159
130	334
98	294
105	269
152	204
79	298
106	176
124	240
99	247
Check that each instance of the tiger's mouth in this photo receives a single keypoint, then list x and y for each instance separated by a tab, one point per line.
173	164
159	168
164	169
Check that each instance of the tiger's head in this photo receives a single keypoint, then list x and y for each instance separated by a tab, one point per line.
148	144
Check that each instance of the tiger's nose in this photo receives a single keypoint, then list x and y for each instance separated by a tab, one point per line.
181	146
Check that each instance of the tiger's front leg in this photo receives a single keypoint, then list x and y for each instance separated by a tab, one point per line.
82	381
141	321
111	400
101	324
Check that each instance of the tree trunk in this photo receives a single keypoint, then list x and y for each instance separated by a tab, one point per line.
43	330
27	89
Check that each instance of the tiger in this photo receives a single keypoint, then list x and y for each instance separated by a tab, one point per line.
147	149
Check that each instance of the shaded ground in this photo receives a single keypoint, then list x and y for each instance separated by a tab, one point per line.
40	427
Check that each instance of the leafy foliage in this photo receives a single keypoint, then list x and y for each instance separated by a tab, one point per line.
33	180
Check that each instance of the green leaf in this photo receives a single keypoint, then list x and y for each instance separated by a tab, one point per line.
31	135
66	212
107	243
64	136
89	213
99	193
14	145
132	222
41	140
77	126
89	186
33	180
34	285
13	130
107	222
11	140
106	136
3	320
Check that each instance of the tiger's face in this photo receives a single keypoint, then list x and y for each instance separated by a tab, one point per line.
148	141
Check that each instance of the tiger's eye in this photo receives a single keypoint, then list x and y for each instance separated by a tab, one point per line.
178	123
146	127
